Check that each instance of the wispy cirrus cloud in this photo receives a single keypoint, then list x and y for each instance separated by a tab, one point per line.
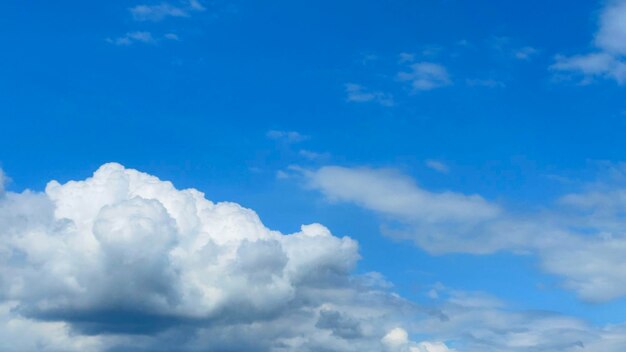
155	13
586	226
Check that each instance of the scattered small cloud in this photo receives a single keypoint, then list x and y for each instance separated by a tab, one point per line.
525	53
425	52
156	12
508	48
437	166
286	136
131	38
313	155
159	12
608	60
358	94
591	66
426	76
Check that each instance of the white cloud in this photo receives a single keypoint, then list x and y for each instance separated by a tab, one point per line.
525	53
608	60
286	136
156	12
581	238
475	322
89	264
164	10
392	193
432	347
437	166
311	155
593	65
133	37
611	36
359	94
397	340
426	76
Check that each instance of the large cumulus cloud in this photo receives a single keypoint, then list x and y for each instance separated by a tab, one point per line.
125	260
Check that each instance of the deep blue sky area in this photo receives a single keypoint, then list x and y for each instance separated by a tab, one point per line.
207	100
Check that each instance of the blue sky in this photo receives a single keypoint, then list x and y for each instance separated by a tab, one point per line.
469	148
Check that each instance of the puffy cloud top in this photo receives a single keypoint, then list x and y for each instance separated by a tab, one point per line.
125	240
123	252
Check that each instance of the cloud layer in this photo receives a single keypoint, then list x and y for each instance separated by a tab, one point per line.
580	237
123	261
